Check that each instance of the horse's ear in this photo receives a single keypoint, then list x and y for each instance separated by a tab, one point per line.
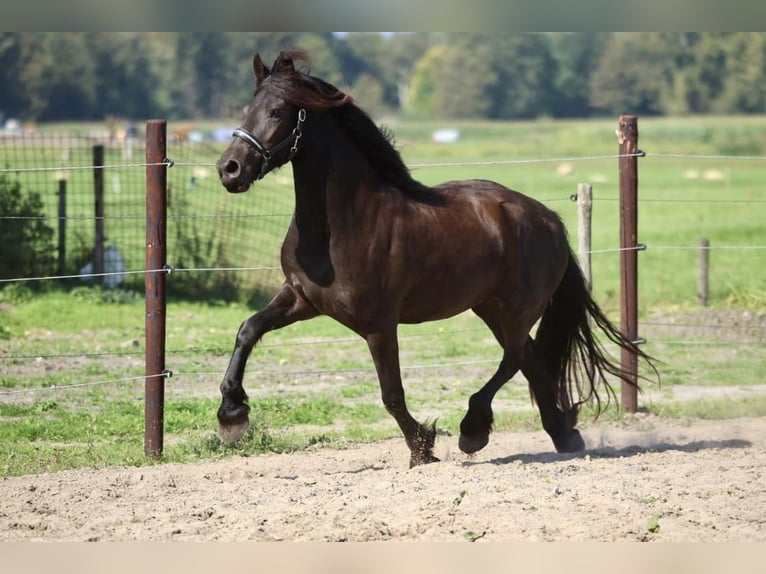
260	69
283	63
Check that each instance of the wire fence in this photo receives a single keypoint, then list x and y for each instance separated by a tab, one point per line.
227	244
207	229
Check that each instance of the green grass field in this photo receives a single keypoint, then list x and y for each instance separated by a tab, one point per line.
313	383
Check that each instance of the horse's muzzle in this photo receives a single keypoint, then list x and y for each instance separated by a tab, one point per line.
233	176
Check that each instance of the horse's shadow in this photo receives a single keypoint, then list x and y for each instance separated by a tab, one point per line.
614	452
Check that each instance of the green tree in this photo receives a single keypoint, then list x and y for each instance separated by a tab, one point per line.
401	54
632	75
11	96
131	74
744	88
576	56
485	75
698	73
423	84
59	77
523	86
463	81
210	70
25	240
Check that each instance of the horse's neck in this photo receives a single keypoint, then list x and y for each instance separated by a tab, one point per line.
311	199
328	176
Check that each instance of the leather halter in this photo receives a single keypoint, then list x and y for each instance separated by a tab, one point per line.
267	153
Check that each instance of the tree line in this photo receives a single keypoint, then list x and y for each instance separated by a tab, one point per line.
181	75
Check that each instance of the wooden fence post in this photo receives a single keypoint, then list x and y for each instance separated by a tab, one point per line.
627	137
98	193
703	269
154	285
62	227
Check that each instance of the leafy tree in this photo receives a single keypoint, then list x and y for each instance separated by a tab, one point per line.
524	83
423	85
25	239
463	82
744	89
60	75
11	96
400	54
485	75
698	76
631	76
576	56
209	59
131	74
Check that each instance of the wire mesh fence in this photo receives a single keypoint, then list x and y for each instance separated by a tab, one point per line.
96	214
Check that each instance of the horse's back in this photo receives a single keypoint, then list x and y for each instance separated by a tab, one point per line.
517	210
484	190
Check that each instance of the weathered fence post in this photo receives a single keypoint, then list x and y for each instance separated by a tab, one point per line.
703	269
584	218
98	193
154	285
62	227
627	137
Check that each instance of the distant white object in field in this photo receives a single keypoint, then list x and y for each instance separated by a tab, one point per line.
446	135
564	169
113	263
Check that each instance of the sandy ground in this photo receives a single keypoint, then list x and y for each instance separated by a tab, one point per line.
644	479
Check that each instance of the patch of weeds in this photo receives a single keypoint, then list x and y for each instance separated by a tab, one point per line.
100	295
653	525
16	293
472	536
320	439
358	390
9	383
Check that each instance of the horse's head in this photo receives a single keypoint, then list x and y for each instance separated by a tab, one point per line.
269	134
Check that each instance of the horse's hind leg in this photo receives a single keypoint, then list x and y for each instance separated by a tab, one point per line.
560	425
477	423
384	348
285	308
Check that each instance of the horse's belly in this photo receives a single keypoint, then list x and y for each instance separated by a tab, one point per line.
425	315
443	299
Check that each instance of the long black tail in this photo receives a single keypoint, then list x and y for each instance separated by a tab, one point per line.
570	350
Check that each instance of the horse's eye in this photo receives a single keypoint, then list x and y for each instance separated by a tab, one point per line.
276	113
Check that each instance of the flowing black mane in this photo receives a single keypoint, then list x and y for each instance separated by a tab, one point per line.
377	144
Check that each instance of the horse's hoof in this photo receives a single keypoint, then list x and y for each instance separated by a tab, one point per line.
232	433
571	442
472	444
426	458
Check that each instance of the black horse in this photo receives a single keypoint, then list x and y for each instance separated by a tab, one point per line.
371	247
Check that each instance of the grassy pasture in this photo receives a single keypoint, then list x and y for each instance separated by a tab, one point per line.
313	383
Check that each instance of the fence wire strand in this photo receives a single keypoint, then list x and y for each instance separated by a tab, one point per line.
80	167
81	385
169	270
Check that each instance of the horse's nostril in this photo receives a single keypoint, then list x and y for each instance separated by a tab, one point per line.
231	168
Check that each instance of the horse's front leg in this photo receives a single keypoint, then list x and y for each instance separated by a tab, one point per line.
285	308
384	348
